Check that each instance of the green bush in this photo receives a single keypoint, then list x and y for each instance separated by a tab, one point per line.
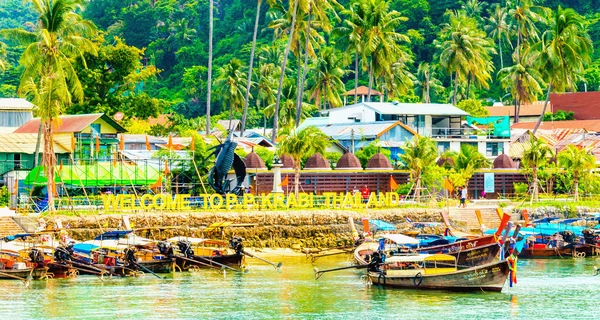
521	188
4	197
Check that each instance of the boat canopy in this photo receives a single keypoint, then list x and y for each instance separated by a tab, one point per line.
113	235
84	248
382	225
421	258
16	237
400	238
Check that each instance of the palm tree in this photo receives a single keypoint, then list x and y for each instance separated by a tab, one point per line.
465	51
579	162
534	158
498	28
282	75
300	144
419	155
526	15
265	93
352	33
181	33
469	159
248	83
327	74
565	49
381	41
2	56
524	80
210	54
287	109
426	81
49	78
230	84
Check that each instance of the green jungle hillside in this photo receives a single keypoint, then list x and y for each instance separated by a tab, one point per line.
152	56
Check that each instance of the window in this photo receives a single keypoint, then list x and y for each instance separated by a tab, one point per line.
442	147
492	149
95	129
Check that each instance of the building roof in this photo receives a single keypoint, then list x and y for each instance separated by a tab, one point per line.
317	162
527	110
589	125
367	130
71	123
503	162
378	162
253	161
235	124
287	161
399	108
348	162
362	91
25	143
314	121
585	105
15	104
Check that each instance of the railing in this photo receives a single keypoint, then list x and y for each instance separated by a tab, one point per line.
9	165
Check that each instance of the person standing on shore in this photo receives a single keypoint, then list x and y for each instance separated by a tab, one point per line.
463	197
365	192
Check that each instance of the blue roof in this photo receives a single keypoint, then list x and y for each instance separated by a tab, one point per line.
315	121
113	235
85	248
362	130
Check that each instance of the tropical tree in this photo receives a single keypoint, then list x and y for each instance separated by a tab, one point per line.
49	78
230	85
287	109
419	155
266	83
210	54
469	159
283	66
352	33
381	41
578	162
2	56
426	81
526	15
465	51
499	29
535	158
523	79
181	34
327	73
565	49
303	143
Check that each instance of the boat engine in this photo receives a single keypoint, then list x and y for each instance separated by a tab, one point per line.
165	248
588	236
568	236
63	254
375	261
36	256
129	256
185	247
236	244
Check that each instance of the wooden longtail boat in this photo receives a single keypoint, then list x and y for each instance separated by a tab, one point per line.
14	267
571	250
468	253
204	253
427	272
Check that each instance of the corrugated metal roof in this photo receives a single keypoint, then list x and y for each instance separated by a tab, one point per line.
70	123
589	125
343	131
25	143
314	121
398	108
15	104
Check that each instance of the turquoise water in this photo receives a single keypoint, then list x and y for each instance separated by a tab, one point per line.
546	289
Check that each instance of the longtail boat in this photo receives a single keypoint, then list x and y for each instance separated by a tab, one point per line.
468	253
437	271
203	253
14	267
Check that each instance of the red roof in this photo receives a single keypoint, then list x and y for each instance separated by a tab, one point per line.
589	125
585	105
70	123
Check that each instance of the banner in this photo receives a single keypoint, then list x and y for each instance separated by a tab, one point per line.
488	182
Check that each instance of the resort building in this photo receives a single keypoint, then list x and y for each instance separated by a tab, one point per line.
392	123
14	112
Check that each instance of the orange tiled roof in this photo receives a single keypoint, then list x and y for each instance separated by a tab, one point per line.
363	91
527	110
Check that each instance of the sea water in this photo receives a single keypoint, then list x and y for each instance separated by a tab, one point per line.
546	289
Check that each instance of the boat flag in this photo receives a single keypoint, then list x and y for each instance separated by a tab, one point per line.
60	167
16	187
502	225
167	168
147	143
97	144
448	186
157	184
478	215
170	143
121	143
525	215
285	182
115	160
499	212
73	143
193	145
393	184
408	220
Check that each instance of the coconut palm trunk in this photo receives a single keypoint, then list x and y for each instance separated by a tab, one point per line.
48	161
296	177
38	141
304	70
356	77
454	102
535	186
539	121
249	82
281	77
210	53
370	81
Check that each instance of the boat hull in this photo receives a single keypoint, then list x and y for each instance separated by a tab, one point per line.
158	266
10	274
231	260
579	250
488	277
